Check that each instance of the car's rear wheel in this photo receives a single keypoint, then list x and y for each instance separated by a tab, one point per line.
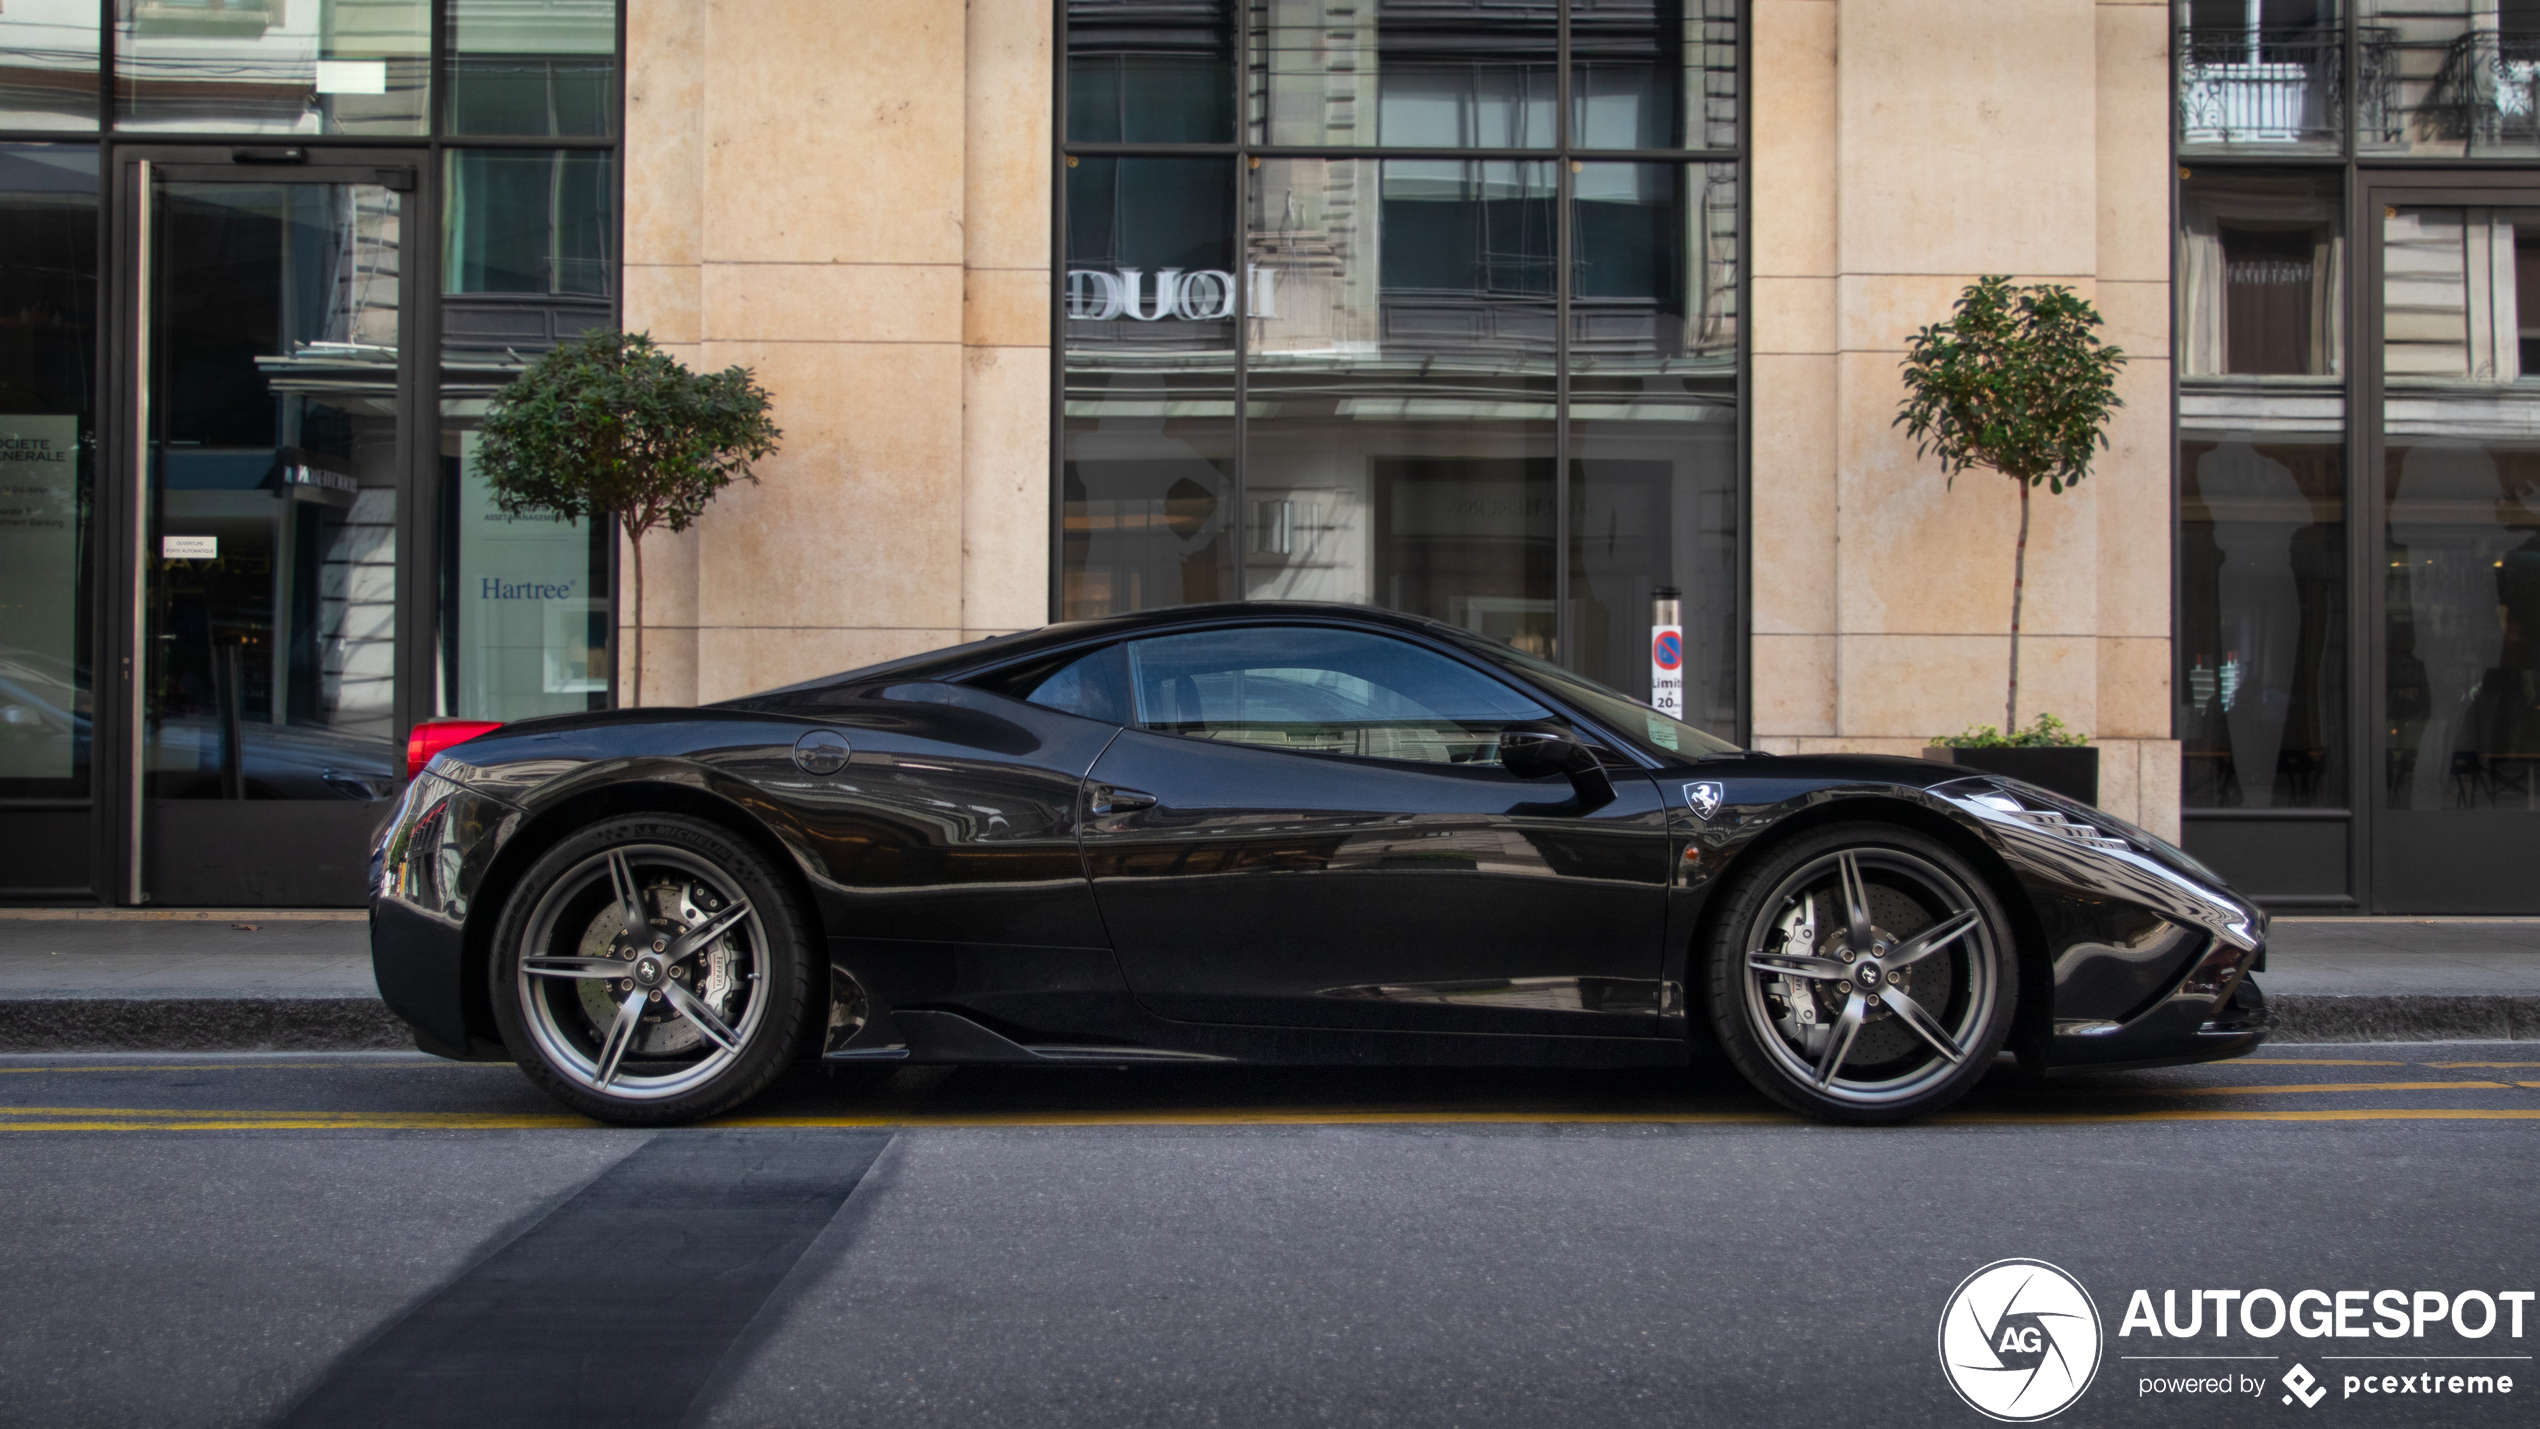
651	970
1862	973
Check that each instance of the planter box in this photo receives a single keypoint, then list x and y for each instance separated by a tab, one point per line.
2069	770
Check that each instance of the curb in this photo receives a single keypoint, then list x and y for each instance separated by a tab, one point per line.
364	1024
2318	1017
202	1024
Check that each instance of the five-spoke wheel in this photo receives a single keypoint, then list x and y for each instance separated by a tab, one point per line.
1862	973
651	969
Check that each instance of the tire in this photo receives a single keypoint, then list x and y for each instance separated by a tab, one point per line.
1786	979
667	1028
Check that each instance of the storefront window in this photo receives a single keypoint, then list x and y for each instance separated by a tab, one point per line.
2460	488
272	66
2261	683
1149	495
1149	72
2269	75
528	261
1498	391
48	416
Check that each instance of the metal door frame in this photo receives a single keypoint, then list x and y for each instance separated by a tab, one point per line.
129	190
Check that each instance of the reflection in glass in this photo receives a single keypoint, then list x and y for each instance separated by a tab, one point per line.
532	66
273	489
1401	433
1148	488
1653	425
272	66
1150	72
2270	74
2261	685
1653	74
2449	77
528	255
2261	276
48	417
1405	73
48	64
2461	487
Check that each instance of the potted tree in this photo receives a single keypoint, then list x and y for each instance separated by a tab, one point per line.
610	426
2015	382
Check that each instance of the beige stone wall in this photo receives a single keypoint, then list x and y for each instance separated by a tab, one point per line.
854	202
1902	147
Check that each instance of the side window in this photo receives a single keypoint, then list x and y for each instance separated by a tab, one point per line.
1095	686
1325	692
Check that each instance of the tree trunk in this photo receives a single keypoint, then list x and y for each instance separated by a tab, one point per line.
635	545
2019	582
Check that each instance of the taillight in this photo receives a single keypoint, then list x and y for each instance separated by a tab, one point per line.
431	736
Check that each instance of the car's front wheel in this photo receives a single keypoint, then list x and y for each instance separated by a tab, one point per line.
650	970
1862	973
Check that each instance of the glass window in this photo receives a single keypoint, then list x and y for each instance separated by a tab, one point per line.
533	66
2460	487
1400	443
1653	74
2261	684
1148	485
1095	686
1324	691
272	66
1405	73
48	64
2261	276
2260	687
530	221
524	600
275	485
1150	71
2266	75
1653	425
48	423
2450	78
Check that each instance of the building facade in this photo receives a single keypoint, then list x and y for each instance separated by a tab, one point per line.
1512	313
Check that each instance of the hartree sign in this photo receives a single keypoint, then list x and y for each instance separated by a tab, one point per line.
1197	295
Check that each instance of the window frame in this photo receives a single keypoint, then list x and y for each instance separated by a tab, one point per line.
1566	156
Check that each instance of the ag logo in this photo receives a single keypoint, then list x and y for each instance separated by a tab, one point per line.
1704	798
2019	1340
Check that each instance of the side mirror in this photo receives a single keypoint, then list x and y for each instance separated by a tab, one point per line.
1541	753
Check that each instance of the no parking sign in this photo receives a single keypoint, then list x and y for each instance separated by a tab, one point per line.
1666	654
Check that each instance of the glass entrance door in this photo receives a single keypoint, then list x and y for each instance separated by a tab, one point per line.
275	471
2456	497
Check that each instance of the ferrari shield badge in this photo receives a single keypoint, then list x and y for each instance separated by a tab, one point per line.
1704	798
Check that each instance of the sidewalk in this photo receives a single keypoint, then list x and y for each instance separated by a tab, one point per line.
300	981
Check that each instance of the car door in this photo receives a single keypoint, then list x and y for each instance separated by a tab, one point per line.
1309	826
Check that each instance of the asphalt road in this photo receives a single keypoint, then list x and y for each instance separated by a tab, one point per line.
381	1239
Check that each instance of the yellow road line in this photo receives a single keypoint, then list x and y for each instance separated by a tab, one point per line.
2314	1062
114	1119
259	1067
2449	1066
2324	1087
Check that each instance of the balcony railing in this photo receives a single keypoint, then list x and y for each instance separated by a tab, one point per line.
2279	87
2487	94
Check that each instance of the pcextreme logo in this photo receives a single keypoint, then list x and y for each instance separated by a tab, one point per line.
2019	1340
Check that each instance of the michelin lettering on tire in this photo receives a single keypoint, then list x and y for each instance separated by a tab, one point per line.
2019	1340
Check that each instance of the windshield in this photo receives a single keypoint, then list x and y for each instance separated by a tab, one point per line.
1662	735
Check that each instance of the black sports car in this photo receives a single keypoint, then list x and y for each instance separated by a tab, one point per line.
1278	834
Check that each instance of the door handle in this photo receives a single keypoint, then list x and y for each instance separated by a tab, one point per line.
1108	800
